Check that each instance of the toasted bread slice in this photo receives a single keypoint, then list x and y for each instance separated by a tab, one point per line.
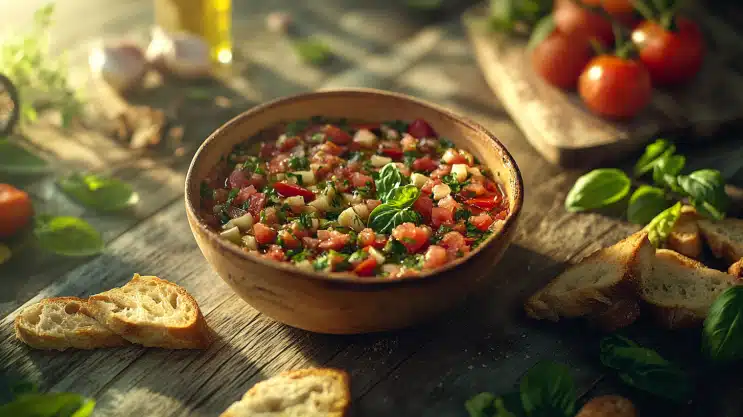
679	290
685	238
152	312
736	269
724	237
300	393
61	323
593	285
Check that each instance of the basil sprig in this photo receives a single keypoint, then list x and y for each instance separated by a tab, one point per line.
98	192
651	205
390	178
26	401
68	236
722	338
396	210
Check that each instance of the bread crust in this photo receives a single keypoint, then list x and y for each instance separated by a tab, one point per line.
720	245
85	338
736	269
193	335
685	237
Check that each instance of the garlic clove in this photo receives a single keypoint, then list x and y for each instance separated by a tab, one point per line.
121	65
182	54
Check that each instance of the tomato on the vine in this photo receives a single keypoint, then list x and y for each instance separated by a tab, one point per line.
575	20
672	56
560	59
15	210
615	87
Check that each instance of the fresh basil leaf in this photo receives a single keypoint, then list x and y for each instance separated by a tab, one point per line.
667	166
646	203
598	188
502	14
706	190
509	405
390	179
660	227
312	51
542	31
98	192
396	210
652	152
481	405
16	160
68	236
49	405
722	339
645	369
547	389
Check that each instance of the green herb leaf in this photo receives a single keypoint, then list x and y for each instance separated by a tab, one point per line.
294	128
16	160
706	190
68	236
299	163
312	51
548	390
542	31
396	210
646	203
390	179
652	152
598	188
98	192
49	405
722	339
667	166
481	405
660	227
645	369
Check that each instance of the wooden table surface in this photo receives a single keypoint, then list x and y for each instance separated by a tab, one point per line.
429	370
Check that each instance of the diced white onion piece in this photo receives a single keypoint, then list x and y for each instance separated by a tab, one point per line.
440	191
352	198
233	235
321	203
308	177
244	222
365	138
448	156
250	242
362	211
380	161
418	179
329	192
459	171
295	201
305	265
474	171
349	218
377	255
310	209
391	269
315	167
315	224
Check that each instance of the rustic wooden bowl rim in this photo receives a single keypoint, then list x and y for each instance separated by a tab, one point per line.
235	122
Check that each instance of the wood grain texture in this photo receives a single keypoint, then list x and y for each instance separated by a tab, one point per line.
565	132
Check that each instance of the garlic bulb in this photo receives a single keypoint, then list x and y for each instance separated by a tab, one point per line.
121	65
182	54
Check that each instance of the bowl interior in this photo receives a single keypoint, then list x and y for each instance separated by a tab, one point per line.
358	104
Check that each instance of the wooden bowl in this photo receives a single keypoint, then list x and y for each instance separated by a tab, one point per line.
348	304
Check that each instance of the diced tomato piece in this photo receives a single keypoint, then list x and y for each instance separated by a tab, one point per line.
263	234
460	227
441	215
492	186
237	179
367	267
452	156
330	239
337	135
221	195
276	253
288	143
423	206
235	212
267	150
428	185
298	230
244	194
411	236
290	190
425	164
419	128
256	204
482	221
409	143
484	203
473	189
278	163
394	152
372	204
435	257
360	180
455	244
442	171
289	241
449	203
367	237
332	149
310	242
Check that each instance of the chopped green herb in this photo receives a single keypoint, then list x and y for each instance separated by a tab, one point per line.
299	255
410	157
312	51
358	256
233	193
321	263
462	214
445	143
395	251
299	163
296	127
297	177
317	137
397	125
453	184
413	261
305	219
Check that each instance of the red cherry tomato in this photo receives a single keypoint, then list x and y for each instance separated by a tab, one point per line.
575	20
420	128
392	151
366	267
291	190
671	57
425	164
560	59
15	210
337	135
615	87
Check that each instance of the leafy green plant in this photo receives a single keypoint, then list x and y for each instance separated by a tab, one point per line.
396	210
98	192
68	236
41	77
645	369
390	178
722	337
703	189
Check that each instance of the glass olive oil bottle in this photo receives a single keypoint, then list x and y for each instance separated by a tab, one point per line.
210	19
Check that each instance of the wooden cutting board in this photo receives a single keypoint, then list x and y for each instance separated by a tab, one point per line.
565	132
